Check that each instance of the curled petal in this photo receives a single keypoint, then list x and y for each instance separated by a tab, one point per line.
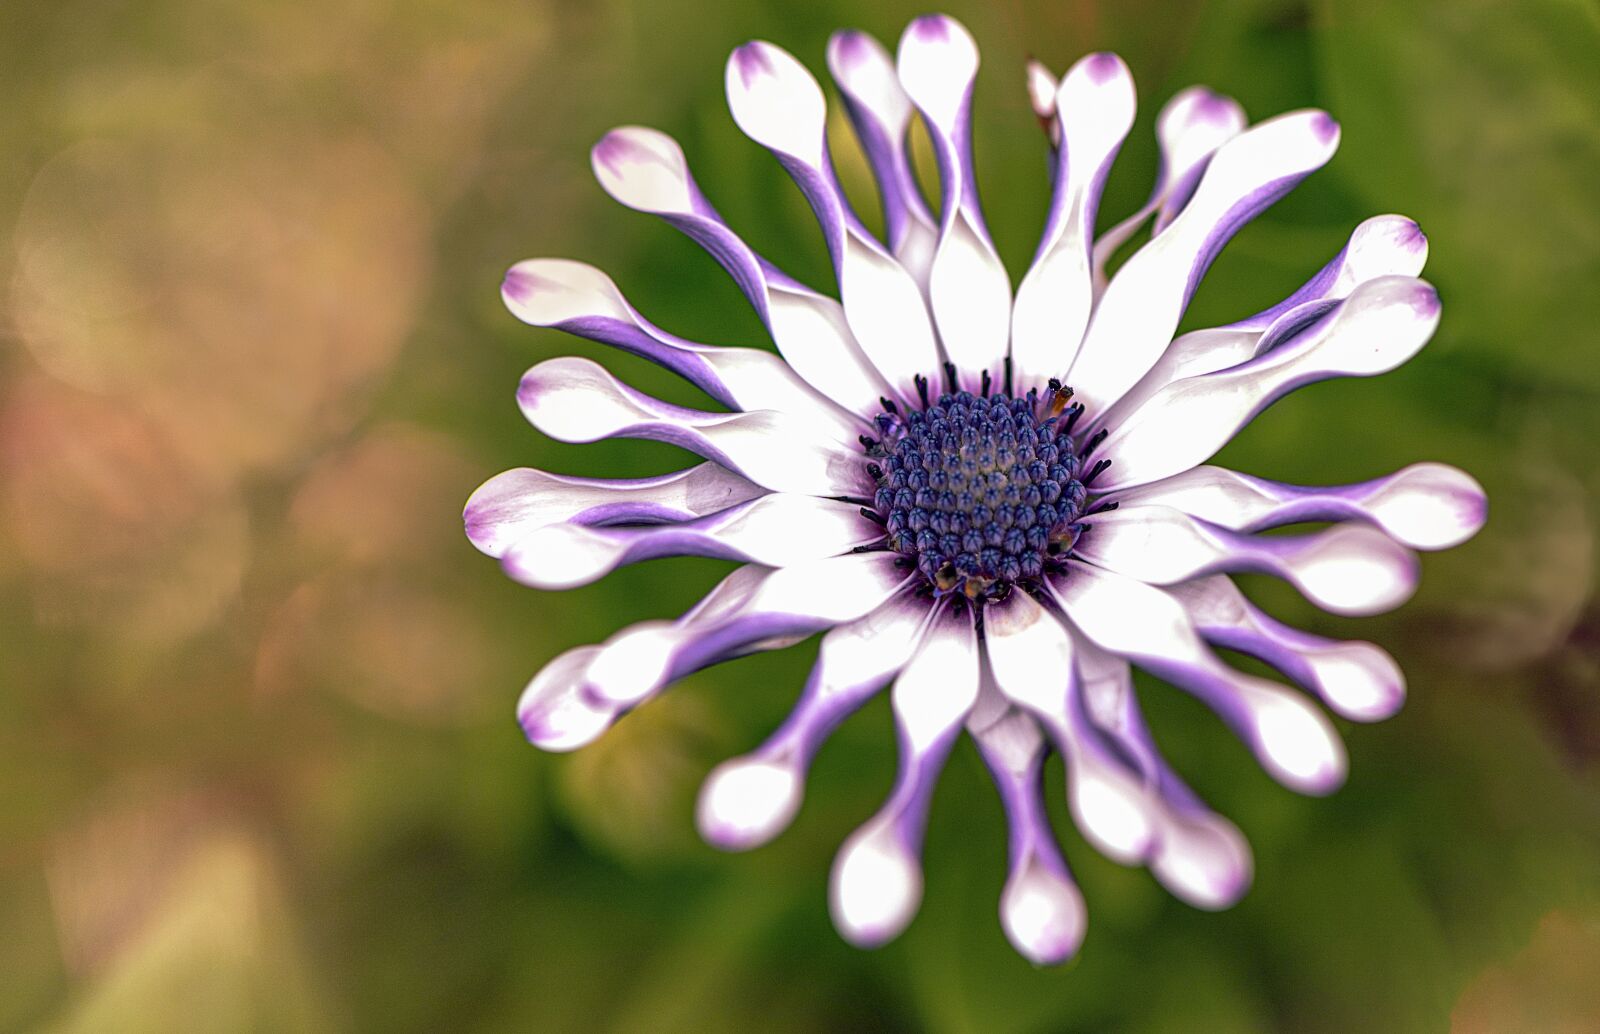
748	800
789	602
777	530
1358	680
553	713
1190	128
780	106
1145	300
581	300
881	112
1385	245
1291	739
1094	110
576	400
1041	908
1382	324
876	882
1346	569
1198	855
557	714
516	503
967	286
645	170
1032	658
1426	506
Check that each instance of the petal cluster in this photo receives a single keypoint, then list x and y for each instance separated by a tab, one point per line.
833	475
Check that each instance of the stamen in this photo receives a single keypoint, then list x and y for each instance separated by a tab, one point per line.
888	404
1099	468
1094	442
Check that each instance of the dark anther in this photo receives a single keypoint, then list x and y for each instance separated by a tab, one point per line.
872	515
1008	375
1106	507
1074	411
1094	442
1098	469
888	404
983	385
876	471
950	375
866	442
922	388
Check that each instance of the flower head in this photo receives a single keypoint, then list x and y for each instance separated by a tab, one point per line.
994	501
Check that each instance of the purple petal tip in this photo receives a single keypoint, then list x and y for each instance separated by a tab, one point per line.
849	45
1425	302
752	62
517	286
1102	67
1325	127
931	28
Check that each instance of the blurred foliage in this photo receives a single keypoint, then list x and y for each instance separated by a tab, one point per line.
256	689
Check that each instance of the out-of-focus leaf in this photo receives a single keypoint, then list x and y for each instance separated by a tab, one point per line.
1478	119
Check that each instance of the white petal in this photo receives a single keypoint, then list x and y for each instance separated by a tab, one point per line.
877	881
881	113
1041	908
1424	506
646	170
553	714
1291	739
780	106
1382	324
1145	300
516	503
790	601
777	530
1033	662
581	300
576	400
1385	245
1197	854
1346	569
1094	109
1356	679
749	800
968	288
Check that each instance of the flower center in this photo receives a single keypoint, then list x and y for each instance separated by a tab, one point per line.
979	491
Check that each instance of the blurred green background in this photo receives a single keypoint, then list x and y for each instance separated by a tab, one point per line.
259	765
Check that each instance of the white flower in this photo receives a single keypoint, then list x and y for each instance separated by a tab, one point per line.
993	500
